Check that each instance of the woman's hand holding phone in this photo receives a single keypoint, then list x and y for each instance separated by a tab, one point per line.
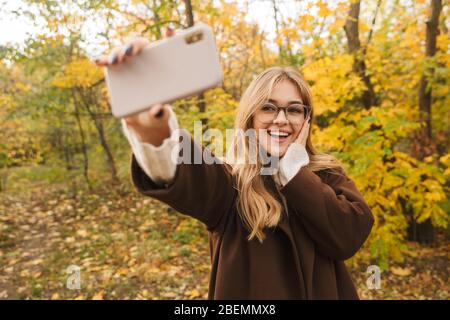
151	125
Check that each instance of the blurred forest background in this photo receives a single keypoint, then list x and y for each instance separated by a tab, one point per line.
380	75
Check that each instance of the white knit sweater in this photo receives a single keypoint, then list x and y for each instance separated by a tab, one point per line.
158	164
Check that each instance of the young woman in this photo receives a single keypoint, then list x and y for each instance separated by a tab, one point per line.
280	236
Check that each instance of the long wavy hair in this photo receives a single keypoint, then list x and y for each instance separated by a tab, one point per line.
259	206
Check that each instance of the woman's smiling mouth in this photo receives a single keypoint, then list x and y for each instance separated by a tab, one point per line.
279	135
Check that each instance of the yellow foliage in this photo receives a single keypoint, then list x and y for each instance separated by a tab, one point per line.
333	82
324	11
79	73
305	22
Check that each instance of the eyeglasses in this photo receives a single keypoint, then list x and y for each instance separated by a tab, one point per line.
294	113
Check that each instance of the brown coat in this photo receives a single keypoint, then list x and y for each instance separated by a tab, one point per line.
302	258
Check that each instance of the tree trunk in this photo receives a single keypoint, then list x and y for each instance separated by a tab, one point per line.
83	143
189	13
424	144
277	30
3	178
354	47
190	22
99	126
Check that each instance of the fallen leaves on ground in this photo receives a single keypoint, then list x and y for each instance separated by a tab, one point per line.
128	246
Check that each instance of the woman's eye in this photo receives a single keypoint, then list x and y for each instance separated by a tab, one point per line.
268	108
295	109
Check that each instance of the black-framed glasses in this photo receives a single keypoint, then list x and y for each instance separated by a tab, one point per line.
295	113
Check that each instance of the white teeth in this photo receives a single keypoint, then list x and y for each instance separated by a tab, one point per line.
279	134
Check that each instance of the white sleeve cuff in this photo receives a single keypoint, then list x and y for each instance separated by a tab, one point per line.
293	160
156	161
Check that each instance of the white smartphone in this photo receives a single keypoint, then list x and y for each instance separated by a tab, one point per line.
182	65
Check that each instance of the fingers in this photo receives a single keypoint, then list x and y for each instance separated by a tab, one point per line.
120	54
150	117
129	50
169	32
115	57
105	61
144	119
132	120
156	111
303	136
160	112
101	62
135	47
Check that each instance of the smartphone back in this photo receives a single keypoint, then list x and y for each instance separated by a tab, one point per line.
172	68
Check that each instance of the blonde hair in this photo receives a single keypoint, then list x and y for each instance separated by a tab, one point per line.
258	207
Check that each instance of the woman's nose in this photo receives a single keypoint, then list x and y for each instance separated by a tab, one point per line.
281	118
